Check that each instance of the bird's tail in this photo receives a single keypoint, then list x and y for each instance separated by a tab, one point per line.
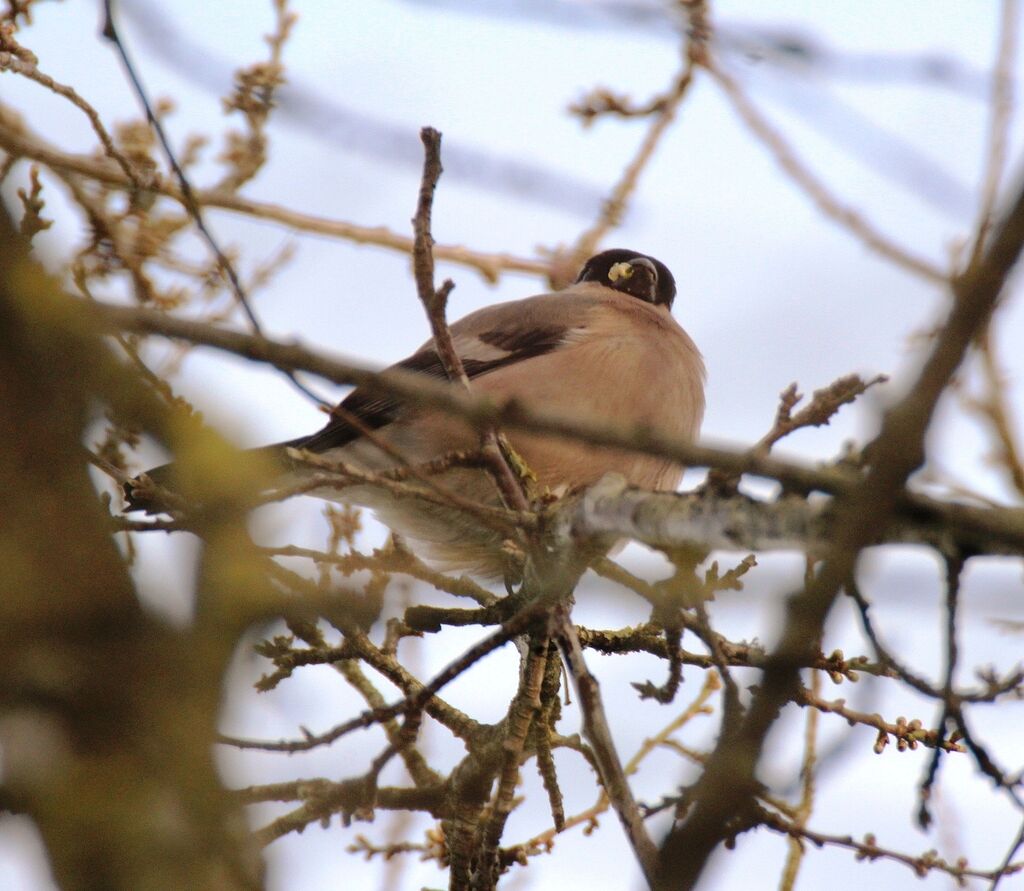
151	496
140	496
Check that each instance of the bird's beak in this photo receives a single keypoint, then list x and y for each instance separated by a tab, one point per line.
620	270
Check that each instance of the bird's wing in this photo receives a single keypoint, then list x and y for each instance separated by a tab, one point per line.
487	340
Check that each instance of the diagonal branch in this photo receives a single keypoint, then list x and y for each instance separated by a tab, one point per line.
1000	529
851	220
188	197
598	734
1001	115
728	785
410	704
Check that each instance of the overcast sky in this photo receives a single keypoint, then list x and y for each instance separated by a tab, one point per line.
885	102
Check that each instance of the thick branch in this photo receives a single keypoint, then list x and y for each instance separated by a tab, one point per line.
480	411
611	508
994	531
96	693
728	785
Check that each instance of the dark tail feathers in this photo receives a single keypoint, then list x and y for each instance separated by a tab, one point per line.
139	496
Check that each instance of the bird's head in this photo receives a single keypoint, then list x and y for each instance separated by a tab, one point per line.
631	273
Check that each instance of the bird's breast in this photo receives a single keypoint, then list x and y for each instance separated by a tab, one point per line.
629	366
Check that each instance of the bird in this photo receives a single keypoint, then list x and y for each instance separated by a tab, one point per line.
605	349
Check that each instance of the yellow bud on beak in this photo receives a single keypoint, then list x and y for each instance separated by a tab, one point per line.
620	270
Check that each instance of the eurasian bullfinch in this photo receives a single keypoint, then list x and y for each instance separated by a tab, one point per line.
606	349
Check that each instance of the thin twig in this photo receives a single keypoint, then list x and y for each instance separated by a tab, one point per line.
1001	103
614	206
824	404
544	841
851	220
408	704
994	406
999	527
340	474
398	734
30	71
868	849
391	560
435	302
1008	867
908	734
522	713
188	197
954	571
20	142
598	734
807	774
322	798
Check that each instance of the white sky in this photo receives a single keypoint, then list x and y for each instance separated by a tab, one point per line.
770	290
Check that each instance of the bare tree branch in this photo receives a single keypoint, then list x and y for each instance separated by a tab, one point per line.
17	140
726	788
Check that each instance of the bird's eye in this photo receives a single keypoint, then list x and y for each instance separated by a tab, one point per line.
620	270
